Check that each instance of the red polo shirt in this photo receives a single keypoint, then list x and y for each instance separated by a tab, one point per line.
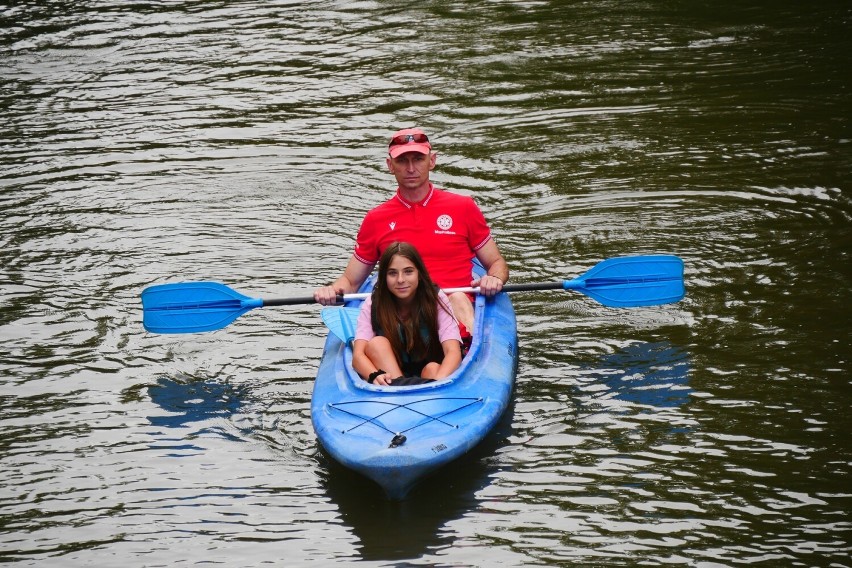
446	228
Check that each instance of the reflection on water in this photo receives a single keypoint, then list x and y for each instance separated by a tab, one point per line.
655	375
194	401
409	529
243	142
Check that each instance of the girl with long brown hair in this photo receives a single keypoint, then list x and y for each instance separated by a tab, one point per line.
406	328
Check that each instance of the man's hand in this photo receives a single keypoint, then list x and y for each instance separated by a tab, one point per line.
354	275
488	285
327	295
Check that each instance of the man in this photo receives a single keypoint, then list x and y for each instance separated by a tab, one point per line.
447	229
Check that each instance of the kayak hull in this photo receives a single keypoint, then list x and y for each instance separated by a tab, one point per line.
396	436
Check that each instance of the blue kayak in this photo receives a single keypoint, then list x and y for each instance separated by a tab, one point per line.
396	436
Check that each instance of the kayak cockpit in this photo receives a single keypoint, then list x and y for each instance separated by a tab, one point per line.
468	360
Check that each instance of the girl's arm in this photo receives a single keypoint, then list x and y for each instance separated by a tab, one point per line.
452	358
363	333
360	362
380	358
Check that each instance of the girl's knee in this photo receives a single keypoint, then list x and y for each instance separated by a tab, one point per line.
378	345
430	371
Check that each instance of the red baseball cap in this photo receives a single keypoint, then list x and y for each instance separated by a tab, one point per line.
409	140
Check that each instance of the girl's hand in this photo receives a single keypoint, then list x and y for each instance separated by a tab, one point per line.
384	380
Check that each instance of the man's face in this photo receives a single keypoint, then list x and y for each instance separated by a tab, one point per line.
411	169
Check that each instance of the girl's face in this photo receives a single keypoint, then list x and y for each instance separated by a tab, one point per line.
402	277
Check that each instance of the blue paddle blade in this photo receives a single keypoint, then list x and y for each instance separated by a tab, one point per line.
633	281
191	307
341	322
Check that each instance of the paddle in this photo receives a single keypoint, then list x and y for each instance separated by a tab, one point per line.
632	281
191	307
341	321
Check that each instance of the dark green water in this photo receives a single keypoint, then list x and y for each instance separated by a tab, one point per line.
242	142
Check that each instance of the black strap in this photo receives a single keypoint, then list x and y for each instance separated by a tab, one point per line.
374	375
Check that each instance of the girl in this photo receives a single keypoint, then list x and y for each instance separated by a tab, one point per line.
406	327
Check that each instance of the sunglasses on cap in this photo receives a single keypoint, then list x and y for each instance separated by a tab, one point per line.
408	138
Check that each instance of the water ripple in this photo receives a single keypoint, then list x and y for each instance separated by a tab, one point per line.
243	142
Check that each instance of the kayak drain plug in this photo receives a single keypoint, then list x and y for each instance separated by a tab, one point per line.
397	441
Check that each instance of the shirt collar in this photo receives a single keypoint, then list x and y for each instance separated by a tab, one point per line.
422	203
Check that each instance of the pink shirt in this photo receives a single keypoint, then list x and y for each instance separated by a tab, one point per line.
448	327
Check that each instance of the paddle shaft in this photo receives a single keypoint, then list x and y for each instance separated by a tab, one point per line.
468	290
560	285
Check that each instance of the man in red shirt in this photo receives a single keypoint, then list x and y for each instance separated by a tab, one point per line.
447	229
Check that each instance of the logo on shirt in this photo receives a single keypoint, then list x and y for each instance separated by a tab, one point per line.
445	222
392	225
